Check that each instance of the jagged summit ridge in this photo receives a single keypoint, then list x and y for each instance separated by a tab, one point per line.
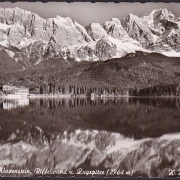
27	24
115	29
96	31
41	39
139	30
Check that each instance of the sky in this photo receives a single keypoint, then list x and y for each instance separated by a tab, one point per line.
86	12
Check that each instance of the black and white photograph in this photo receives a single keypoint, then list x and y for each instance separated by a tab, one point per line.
89	89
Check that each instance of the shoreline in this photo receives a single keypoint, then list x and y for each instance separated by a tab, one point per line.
37	96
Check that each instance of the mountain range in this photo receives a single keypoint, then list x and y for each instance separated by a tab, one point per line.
26	39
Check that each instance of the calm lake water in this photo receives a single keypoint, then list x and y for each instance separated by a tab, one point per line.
131	134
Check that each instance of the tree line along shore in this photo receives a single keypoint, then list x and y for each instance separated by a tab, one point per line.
52	90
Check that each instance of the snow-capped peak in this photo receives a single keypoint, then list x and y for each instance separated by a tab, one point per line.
63	21
28	32
157	16
115	29
96	31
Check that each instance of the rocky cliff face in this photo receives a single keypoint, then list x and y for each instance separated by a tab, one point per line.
158	31
138	29
96	31
115	29
35	39
20	23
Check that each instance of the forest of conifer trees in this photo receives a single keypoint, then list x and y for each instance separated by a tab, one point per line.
160	90
78	90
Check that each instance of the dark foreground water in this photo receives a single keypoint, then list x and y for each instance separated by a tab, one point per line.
132	136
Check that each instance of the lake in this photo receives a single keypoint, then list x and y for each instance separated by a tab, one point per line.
140	136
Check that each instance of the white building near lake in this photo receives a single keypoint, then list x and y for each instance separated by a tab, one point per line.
15	91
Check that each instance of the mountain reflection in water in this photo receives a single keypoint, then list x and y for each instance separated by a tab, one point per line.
139	134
